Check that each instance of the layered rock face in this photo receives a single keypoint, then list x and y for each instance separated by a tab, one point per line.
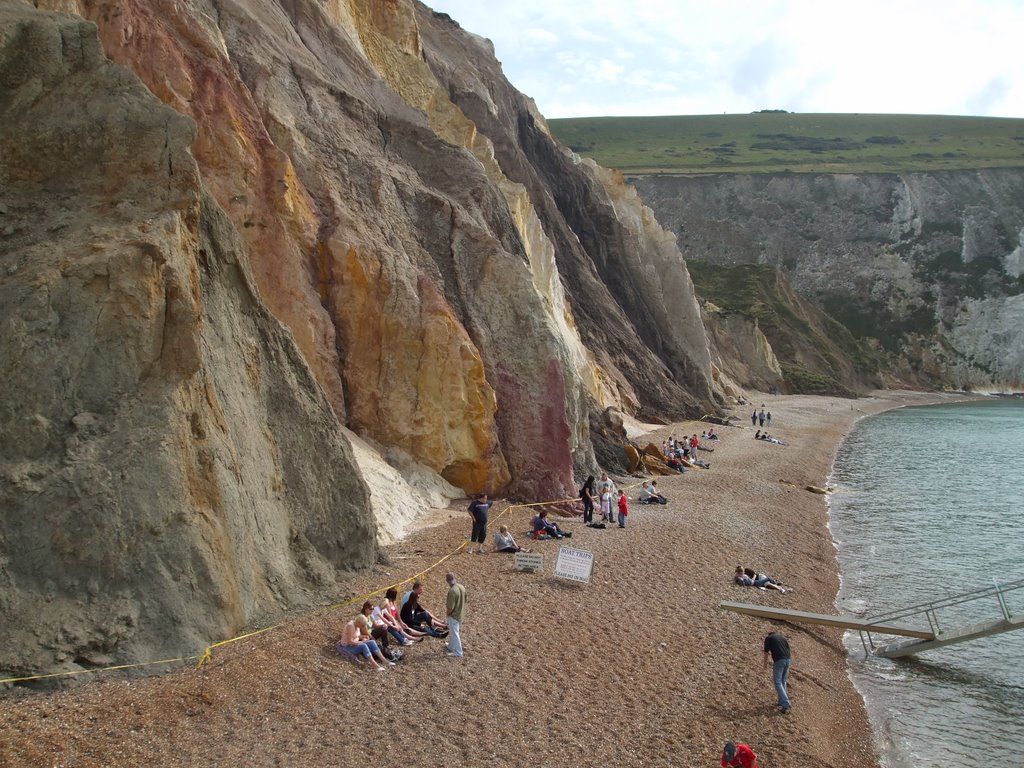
396	231
170	469
275	275
927	266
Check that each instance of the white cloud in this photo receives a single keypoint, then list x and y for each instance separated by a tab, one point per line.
540	38
604	57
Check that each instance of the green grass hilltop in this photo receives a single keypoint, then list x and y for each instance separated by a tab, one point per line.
780	142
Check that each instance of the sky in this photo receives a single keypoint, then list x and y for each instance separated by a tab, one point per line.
580	58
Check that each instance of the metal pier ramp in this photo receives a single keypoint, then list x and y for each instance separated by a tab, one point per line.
903	622
828	620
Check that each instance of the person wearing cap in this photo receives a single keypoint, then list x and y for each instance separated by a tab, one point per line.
738	756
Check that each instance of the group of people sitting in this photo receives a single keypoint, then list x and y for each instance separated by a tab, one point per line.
748	577
368	638
678	452
649	493
759	435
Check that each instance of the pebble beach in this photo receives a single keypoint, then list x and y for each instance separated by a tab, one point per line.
639	667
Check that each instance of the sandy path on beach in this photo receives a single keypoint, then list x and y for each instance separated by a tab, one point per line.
640	667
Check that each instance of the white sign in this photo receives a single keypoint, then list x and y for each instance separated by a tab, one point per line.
574	564
529	561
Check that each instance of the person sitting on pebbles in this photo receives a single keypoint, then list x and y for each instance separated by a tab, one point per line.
541	525
350	645
504	541
418	618
649	494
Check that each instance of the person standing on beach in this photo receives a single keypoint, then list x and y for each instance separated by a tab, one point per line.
738	756
478	509
768	419
606	488
777	647
456	612
753	418
760	416
587	497
623	509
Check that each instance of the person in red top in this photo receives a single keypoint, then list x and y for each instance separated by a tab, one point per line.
738	756
623	509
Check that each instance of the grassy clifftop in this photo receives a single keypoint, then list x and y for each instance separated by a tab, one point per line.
772	142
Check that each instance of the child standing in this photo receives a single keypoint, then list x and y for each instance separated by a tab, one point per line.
606	506
623	509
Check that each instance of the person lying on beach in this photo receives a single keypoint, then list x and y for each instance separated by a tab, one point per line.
541	525
748	577
767	438
649	494
350	645
504	542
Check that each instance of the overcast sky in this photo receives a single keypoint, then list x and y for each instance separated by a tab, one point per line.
677	57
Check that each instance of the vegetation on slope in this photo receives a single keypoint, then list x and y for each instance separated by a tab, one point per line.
781	142
817	354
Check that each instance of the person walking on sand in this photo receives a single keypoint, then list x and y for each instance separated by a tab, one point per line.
753	418
456	604
760	416
777	647
623	509
768	420
738	756
478	509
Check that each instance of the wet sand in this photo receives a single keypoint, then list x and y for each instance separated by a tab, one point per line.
639	667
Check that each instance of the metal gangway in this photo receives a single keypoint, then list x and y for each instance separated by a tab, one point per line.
902	622
996	595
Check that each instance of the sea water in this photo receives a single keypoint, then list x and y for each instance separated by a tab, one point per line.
929	504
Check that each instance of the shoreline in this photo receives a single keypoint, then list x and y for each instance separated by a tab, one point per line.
881	739
550	666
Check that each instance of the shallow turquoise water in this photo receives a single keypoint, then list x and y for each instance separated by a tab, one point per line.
929	503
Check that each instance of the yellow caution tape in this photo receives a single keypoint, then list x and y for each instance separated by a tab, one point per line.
207	654
99	669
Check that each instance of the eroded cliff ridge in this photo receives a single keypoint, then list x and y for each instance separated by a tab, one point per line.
924	267
275	275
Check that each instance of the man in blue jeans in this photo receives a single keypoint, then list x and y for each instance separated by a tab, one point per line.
776	646
456	604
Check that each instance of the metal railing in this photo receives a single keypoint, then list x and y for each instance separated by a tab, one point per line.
930	609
